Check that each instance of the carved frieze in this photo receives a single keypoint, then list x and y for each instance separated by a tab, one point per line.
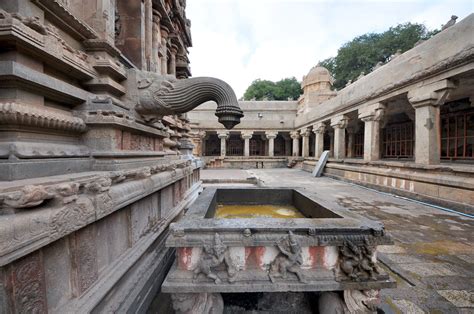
46	39
28	196
12	113
72	217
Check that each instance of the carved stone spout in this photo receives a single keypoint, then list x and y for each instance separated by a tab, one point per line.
165	95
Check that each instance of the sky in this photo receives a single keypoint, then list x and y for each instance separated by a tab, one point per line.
243	40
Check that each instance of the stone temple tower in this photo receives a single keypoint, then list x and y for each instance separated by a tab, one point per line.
316	89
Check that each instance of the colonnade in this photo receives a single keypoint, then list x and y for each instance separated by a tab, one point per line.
367	125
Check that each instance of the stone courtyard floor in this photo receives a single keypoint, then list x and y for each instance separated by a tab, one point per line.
432	259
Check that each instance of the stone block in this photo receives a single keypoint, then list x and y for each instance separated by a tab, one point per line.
112	237
166	201
429	269
457	195
406	306
84	256
57	269
460	298
144	214
176	193
426	189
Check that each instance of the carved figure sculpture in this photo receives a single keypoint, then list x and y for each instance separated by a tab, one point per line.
165	95
214	256
289	259
202	303
450	23
356	261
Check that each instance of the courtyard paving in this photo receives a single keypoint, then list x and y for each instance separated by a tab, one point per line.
432	259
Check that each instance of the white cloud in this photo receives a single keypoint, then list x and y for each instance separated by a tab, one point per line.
242	40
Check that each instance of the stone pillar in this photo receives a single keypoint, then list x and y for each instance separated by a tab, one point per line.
350	142
372	116
223	135
271	135
164	50
318	130
305	135
296	144
339	125
148	34
331	143
426	101
246	135
172	66
156	38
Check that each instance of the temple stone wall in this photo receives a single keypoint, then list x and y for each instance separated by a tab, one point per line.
88	186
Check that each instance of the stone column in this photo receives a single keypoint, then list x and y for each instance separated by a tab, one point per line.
318	130
172	66
271	135
350	142
296	144
164	51
426	101
305	133
223	135
372	116
148	34
156	66
246	135
339	125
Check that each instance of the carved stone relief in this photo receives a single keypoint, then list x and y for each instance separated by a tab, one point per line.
357	263
28	287
211	258
203	303
288	260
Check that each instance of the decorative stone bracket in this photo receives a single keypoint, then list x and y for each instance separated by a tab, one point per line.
434	94
375	112
339	122
159	95
319	128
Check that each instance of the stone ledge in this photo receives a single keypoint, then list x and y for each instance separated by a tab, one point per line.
46	48
66	19
182	282
424	192
19	75
53	221
466	182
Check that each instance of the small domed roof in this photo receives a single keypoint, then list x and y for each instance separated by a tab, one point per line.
317	74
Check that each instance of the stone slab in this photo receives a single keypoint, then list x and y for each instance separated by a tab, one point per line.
318	169
460	298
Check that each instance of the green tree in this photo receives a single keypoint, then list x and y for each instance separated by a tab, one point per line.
281	90
363	52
